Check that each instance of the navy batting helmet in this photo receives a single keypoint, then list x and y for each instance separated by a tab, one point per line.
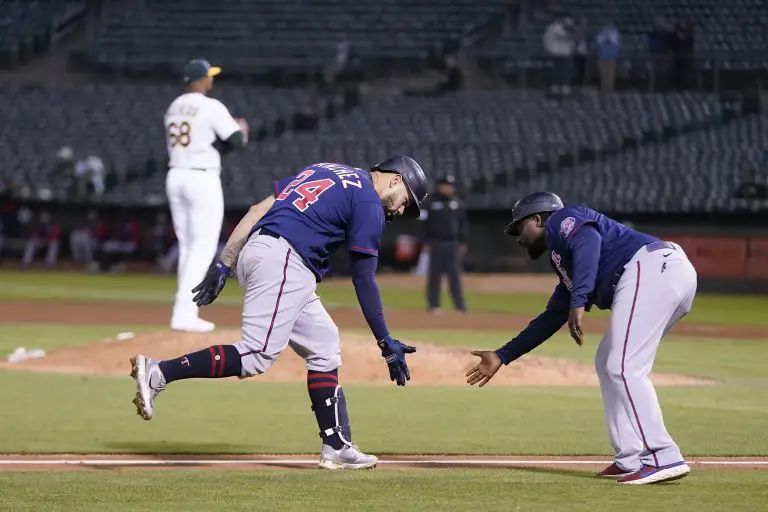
538	202
413	176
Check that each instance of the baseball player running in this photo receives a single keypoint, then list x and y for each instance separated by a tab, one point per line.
648	284
281	249
194	124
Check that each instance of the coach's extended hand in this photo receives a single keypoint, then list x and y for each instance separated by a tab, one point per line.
210	287
483	371
393	352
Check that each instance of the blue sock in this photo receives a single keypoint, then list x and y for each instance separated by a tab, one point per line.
322	387
214	362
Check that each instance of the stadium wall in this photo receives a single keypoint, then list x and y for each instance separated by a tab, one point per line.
730	251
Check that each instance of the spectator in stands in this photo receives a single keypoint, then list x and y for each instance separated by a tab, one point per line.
90	171
559	44
581	39
63	169
454	79
165	248
658	47
64	163
753	188
86	237
43	234
122	242
608	42
682	44
336	68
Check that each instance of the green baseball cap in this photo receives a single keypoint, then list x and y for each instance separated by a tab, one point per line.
199	68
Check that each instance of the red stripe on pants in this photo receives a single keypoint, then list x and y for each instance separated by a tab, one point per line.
274	313
623	357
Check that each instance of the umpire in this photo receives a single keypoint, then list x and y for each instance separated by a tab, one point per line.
445	234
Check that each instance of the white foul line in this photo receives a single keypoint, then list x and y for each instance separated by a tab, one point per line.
277	462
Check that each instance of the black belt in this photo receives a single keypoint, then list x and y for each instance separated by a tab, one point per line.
652	247
265	231
656	246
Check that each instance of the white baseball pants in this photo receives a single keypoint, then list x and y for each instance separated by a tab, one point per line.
656	290
197	208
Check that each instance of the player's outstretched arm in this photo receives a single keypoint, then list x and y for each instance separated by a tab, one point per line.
218	273
537	332
393	351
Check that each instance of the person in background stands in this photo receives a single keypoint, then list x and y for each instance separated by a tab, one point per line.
608	42
658	47
165	249
581	39
682	45
82	240
122	242
45	234
559	43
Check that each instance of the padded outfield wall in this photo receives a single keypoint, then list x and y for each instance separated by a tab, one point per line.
730	251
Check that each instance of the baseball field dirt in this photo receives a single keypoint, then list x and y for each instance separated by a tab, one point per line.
70	462
102	313
431	365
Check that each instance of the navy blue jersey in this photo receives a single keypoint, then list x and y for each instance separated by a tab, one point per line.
613	248
323	207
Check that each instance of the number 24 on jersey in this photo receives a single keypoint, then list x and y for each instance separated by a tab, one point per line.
309	191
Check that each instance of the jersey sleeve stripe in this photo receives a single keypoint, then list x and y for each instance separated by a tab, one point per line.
363	249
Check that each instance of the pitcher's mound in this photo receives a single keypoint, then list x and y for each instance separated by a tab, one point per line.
362	362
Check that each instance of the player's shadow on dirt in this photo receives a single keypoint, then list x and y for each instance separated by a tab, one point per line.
160	448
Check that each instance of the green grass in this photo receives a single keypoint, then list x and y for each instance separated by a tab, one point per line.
710	308
413	491
49	337
68	413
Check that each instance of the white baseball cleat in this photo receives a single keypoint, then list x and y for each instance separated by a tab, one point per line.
193	325
349	457
150	381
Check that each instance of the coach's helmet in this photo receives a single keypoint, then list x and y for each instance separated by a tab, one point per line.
537	202
413	176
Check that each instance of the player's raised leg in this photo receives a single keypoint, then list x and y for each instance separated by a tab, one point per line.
315	337
656	289
277	288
